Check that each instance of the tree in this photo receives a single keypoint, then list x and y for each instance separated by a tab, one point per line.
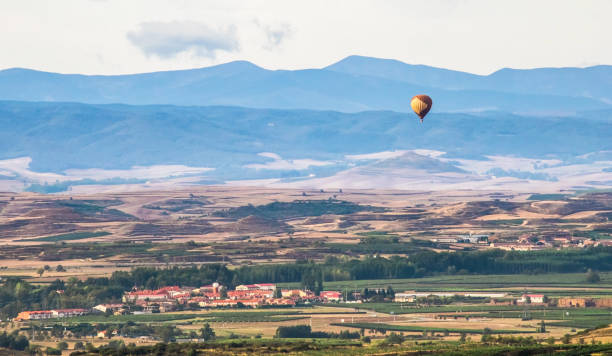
390	292
462	338
52	351
47	267
40	272
167	333
319	284
62	345
60	268
566	339
394	339
297	331
207	333
542	326
79	345
592	276
278	293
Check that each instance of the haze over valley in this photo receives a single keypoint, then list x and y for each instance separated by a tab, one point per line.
345	125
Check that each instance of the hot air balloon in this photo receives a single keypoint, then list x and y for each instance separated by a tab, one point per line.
421	104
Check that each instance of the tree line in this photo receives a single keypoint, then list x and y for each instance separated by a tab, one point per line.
17	295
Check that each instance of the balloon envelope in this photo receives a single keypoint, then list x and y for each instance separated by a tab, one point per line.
421	104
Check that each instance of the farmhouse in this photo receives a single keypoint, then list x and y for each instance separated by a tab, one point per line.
109	307
48	314
34	315
532	298
331	296
574	302
260	286
404	297
248	294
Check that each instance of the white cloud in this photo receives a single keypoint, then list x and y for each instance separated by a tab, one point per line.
278	163
168	39
473	35
275	34
377	155
20	169
138	172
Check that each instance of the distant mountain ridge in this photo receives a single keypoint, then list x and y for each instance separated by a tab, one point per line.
593	82
351	85
61	136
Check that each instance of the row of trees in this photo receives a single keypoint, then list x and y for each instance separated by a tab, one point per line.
13	341
17	295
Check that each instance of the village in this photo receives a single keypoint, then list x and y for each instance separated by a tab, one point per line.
524	242
172	298
268	295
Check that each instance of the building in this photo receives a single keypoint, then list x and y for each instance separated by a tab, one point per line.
68	313
249	294
35	315
404	298
260	286
109	307
602	302
532	298
331	296
49	314
570	302
214	288
280	301
297	294
574	302
161	294
253	303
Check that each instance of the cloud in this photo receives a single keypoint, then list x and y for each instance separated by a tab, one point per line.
167	39
280	164
377	156
138	172
19	168
275	34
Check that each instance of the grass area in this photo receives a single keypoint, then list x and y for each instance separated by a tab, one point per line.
142	318
479	283
399	308
96	207
295	209
252	316
69	236
548	196
503	222
575	318
410	328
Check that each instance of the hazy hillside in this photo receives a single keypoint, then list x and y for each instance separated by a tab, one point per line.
351	85
60	136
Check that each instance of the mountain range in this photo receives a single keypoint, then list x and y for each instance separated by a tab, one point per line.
238	121
351	85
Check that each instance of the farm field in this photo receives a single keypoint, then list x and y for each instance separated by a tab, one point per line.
85	250
550	282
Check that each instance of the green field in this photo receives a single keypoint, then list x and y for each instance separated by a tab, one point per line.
399	308
69	236
410	328
143	318
257	315
579	318
511	283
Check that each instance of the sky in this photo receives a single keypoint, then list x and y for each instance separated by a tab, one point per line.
135	36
